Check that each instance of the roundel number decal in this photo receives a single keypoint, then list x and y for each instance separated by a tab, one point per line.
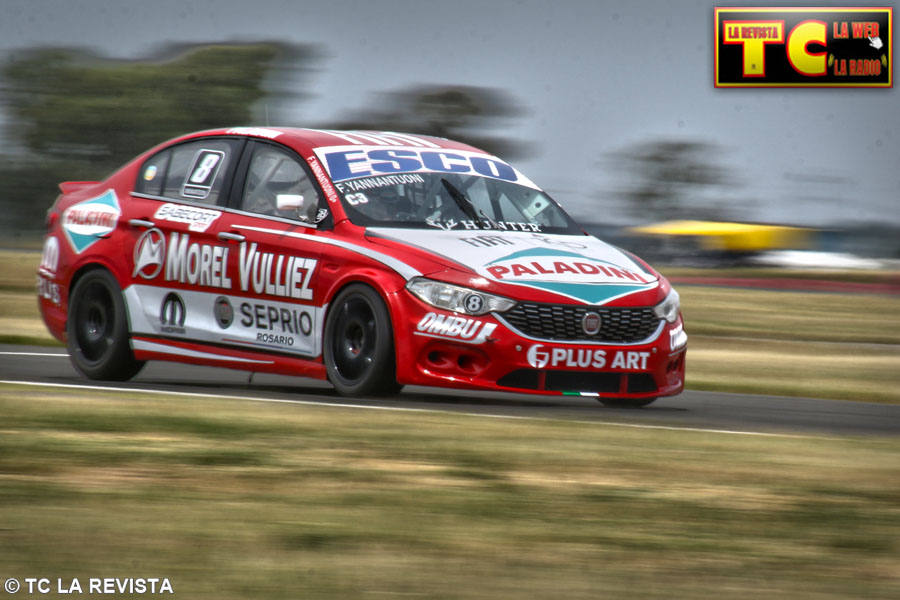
474	303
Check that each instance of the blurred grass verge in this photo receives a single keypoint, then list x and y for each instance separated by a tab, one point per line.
843	346
230	499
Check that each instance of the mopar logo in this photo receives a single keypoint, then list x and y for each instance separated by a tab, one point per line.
172	314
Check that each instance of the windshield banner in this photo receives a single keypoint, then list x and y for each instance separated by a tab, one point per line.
351	162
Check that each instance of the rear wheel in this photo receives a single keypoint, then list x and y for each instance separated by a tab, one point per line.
359	344
626	402
97	329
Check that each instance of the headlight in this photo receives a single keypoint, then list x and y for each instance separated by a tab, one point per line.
457	298
668	308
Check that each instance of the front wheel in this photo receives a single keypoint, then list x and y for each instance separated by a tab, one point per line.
359	344
626	402
97	329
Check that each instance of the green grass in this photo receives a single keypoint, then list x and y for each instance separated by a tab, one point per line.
231	499
865	372
799	316
18	269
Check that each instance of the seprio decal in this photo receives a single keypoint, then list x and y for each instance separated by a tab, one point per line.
197	219
276	320
281	325
85	223
540	356
472	331
216	318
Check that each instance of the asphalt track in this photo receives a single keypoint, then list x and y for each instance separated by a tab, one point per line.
711	411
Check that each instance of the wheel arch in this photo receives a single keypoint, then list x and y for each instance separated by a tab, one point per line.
374	279
349	384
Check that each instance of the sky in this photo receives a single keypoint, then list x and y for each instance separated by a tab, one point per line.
591	78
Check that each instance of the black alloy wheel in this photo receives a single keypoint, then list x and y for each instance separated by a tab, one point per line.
359	344
97	329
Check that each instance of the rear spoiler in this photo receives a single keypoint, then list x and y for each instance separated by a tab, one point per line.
67	187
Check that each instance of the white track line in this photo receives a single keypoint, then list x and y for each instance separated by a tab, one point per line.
33	354
409	410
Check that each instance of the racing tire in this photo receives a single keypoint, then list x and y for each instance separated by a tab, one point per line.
97	329
626	402
359	344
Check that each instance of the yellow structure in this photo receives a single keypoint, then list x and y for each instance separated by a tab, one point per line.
732	237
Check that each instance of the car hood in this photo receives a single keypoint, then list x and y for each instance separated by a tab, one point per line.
582	268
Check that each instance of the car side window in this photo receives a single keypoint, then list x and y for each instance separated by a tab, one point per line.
278	185
194	171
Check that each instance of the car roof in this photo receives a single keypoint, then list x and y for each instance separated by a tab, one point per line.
310	139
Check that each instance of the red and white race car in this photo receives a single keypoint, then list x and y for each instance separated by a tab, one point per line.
372	259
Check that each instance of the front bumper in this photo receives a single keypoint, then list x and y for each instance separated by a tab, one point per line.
440	348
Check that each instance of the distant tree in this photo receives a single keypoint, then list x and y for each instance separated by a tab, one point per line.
72	102
75	115
464	113
671	178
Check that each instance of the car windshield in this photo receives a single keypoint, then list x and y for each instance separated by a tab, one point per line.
451	201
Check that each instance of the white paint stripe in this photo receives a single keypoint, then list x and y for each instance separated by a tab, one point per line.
375	139
413	410
339	134
31	354
179	351
413	139
406	271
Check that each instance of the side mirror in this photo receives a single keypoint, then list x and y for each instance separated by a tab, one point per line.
289	202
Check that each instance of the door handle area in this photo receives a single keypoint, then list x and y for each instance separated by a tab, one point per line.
231	237
141	223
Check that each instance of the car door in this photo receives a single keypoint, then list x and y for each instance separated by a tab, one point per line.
179	267
271	227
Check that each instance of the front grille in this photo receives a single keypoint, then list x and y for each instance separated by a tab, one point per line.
562	322
579	381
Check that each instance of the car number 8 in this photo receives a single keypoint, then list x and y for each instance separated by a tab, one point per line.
205	167
474	303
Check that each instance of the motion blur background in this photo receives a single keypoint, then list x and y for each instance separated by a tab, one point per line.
609	106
